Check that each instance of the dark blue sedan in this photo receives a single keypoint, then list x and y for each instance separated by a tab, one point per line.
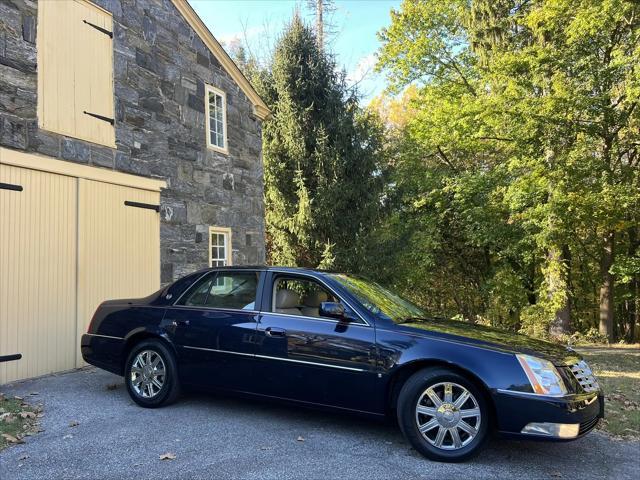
340	341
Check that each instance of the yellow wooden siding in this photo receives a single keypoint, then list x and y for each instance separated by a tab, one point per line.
37	272
75	70
67	244
119	247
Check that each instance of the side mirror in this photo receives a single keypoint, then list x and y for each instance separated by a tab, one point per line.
332	310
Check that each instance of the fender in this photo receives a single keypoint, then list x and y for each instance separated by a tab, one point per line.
491	367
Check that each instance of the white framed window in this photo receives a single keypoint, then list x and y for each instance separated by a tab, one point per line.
219	246
216	113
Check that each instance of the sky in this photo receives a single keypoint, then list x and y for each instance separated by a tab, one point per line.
353	41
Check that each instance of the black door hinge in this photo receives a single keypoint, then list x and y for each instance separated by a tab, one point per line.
100	29
148	206
99	117
9	186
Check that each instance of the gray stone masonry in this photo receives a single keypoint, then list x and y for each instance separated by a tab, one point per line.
160	69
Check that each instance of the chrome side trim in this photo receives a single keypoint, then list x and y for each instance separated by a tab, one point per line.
266	357
531	394
319	319
311	363
104	336
218	351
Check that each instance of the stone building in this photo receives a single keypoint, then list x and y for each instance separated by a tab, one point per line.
130	154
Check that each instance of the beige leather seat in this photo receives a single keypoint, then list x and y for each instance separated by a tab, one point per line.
287	301
312	301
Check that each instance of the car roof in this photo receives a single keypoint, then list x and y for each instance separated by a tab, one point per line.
271	268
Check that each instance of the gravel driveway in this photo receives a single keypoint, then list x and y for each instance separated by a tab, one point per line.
216	437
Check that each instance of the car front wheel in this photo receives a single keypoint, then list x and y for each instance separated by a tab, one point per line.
151	374
443	415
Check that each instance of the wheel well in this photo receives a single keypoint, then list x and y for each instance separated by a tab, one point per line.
137	338
402	375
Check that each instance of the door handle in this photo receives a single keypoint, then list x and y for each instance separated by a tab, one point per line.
275	332
175	323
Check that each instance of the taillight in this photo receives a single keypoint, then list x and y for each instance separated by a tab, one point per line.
93	318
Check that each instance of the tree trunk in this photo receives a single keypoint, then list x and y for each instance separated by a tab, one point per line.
633	303
606	287
319	23
634	314
561	323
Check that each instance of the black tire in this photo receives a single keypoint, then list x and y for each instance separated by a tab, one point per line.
170	389
410	395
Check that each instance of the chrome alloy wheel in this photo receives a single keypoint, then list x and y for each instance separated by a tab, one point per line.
448	416
148	373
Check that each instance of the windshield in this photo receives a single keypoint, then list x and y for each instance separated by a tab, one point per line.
378	300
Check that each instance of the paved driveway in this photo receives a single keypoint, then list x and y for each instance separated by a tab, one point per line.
215	437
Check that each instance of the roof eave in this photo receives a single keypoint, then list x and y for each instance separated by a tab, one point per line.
260	108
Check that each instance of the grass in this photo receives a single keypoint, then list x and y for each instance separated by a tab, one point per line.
618	371
17	420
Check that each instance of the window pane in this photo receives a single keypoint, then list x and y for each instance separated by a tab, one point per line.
214	138
307	295
199	296
235	290
220	141
219	101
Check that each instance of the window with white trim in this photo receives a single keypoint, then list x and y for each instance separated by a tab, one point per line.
216	109
219	246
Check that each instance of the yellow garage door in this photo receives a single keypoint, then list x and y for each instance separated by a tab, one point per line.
67	244
38	252
119	246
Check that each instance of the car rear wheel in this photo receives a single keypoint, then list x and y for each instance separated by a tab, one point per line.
151	374
443	415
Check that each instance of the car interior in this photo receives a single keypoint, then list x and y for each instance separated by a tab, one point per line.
299	297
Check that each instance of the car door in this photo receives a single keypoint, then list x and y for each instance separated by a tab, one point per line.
213	327
305	357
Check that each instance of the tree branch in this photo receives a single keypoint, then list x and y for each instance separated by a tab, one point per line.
445	159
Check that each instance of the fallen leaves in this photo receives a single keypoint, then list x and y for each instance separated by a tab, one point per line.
18	419
112	386
168	456
7	417
11	438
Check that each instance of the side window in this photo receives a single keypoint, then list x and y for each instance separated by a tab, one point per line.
219	246
299	296
234	290
216	110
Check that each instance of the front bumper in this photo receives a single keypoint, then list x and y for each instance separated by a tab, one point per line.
516	410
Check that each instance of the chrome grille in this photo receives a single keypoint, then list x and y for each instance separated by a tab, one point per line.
585	377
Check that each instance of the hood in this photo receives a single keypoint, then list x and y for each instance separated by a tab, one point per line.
492	338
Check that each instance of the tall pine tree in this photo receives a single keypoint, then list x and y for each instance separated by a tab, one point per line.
321	157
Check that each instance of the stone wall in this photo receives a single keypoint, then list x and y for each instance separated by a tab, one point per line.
160	70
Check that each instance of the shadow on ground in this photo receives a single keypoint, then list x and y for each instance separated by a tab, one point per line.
229	437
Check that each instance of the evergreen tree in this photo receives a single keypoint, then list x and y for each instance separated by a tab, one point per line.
321	157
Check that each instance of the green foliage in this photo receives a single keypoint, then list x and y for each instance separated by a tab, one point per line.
321	154
518	157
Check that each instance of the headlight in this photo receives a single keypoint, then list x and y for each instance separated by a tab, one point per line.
542	375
